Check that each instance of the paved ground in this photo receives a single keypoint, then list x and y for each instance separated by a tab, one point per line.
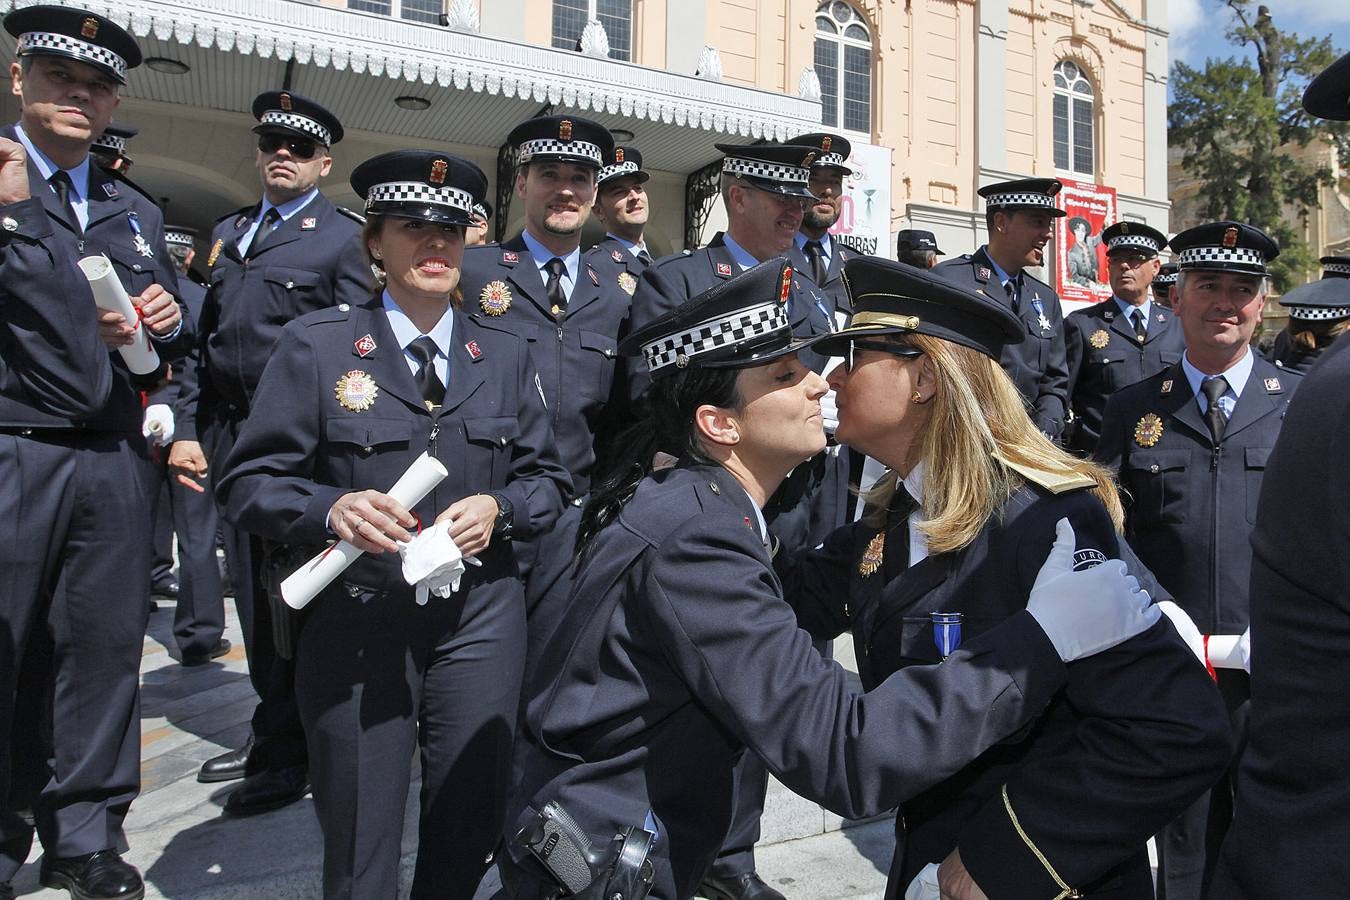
186	849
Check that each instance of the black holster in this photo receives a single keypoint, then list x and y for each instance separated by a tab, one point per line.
617	869
278	562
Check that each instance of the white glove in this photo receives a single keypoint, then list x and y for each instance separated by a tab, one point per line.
1186	628
925	884
829	412
158	424
432	563
1088	611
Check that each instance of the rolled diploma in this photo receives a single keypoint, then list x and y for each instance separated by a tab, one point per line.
305	583
1224	652
110	296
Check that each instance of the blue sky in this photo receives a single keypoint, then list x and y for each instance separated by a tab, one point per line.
1197	26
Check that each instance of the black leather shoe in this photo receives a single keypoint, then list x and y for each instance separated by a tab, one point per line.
227	766
746	886
268	790
200	659
168	589
94	876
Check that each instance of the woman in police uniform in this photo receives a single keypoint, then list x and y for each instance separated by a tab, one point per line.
350	397
676	651
960	525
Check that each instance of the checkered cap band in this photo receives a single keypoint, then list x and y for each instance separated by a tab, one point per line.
614	171
1169	278
65	45
1316	313
111	142
754	168
828	159
297	122
420	192
1197	257
552	147
1140	241
181	238
714	334
1021	198
1337	268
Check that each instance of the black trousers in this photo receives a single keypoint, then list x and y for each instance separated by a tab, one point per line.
279	738
75	567
379	677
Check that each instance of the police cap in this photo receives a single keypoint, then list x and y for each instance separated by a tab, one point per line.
623	161
776	168
286	112
916	239
1328	95
568	139
181	235
421	184
1225	247
74	34
1025	193
1318	300
1135	238
834	150
114	138
1335	266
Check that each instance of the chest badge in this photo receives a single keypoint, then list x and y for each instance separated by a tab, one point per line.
495	298
616	256
474	350
724	270
1148	430
309	223
595	279
873	555
984	273
356	391
215	252
510	257
1099	338
1166	387
1162	317
627	282
1109	316
111	190
1273	385
1042	321
365	346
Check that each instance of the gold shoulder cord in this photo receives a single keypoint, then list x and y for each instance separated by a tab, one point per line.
1026	839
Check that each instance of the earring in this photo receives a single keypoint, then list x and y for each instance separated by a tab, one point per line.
916	397
734	437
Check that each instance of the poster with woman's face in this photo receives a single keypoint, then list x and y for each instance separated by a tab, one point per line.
1080	256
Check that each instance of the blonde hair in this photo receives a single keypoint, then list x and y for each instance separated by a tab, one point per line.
978	431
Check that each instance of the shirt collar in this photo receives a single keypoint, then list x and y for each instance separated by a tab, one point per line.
739	254
79	176
761	524
1127	310
826	244
914	483
1236	375
405	332
628	245
290	207
541	255
1003	277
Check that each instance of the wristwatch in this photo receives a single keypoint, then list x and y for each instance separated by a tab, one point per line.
502	527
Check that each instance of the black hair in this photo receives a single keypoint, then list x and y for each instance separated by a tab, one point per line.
667	426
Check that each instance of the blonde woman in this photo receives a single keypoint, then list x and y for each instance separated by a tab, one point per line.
959	526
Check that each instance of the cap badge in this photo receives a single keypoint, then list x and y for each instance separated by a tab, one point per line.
89	27
681	361
786	286
495	298
618	154
215	252
1124	227
309	223
474	350
285	102
825	143
810	158
1230	237
356	391
1099	338
873	555
365	346
1166	387
616	256
1272	385
438	170
1148	430
724	270
627	282
565	130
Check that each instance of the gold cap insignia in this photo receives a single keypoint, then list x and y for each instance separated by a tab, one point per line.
285	102
825	143
215	252
873	555
627	282
786	287
1148	430
495	298
565	130
89	27
438	170
356	391
1099	338
618	154
1230	237
1124	227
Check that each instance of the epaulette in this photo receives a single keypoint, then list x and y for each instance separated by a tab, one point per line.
1054	482
236	213
354	216
118	176
967	256
339	313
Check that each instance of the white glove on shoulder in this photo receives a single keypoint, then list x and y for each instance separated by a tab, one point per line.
1086	612
157	426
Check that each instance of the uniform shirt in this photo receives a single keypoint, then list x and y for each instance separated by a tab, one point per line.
1236	376
542	255
918	542
630	246
405	332
79	176
285	210
826	246
1127	310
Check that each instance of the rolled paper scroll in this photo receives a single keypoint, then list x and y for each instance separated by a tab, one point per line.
110	296
308	581
1225	651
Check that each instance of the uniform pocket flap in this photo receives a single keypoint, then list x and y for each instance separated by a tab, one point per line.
368	432
290	278
498	430
1158	460
1257	456
601	343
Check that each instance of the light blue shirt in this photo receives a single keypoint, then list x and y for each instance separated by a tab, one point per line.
79	176
405	332
1127	310
285	210
628	245
826	246
739	255
1003	277
1236	376
541	255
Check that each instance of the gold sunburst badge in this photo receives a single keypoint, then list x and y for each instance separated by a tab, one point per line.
1148	430
356	391
628	283
495	298
1099	338
873	555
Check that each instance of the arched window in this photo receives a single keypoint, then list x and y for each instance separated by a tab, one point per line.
570	18
1074	129
844	66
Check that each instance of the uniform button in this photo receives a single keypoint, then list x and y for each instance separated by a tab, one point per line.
290	284
136	267
27	432
343	307
366	449
502	441
353	591
1153	468
609	352
9	223
712	486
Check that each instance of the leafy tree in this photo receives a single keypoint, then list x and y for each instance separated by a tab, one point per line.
1237	121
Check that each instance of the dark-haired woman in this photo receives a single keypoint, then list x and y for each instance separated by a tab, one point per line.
677	652
1319	312
350	398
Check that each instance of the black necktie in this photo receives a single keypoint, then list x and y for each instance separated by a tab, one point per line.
265	227
1137	316
1014	288
433	391
60	182
816	253
1214	388
902	506
554	287
644	257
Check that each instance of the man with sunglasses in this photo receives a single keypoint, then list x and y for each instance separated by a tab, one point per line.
291	253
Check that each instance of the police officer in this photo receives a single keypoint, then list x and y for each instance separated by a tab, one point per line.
351	397
815	252
1123	339
109	149
1190	445
569	307
476	234
77	571
1019	216
1162	285
622	207
1319	313
916	247
291	253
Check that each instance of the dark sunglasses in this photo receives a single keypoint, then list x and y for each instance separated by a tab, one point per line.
300	148
902	350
